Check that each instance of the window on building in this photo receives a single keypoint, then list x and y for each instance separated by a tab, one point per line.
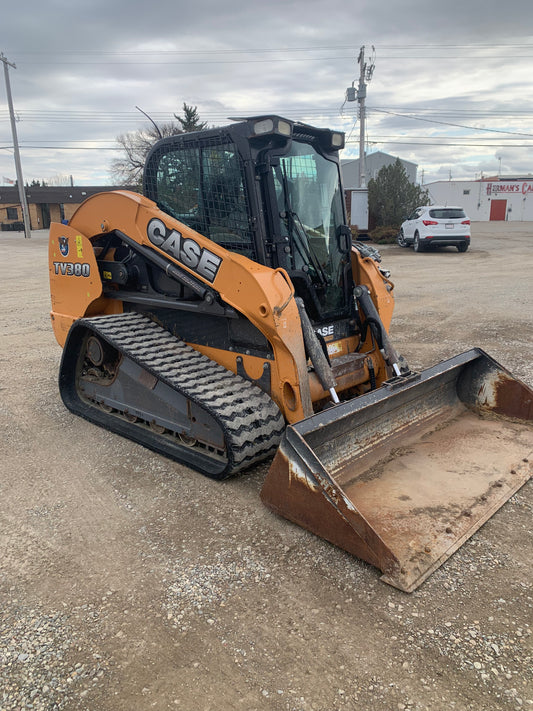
12	213
466	192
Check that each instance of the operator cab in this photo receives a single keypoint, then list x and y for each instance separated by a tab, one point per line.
269	189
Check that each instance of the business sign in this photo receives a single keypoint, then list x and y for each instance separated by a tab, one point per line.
510	187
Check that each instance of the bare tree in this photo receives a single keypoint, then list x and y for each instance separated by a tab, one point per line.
127	170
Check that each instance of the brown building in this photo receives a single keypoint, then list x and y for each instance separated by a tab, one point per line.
45	205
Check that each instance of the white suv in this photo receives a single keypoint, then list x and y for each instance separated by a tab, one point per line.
436	225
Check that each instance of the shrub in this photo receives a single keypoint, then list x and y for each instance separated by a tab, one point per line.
385	234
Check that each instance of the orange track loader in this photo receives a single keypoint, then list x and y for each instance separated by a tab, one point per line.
225	317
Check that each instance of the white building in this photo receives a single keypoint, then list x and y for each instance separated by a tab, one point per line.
374	162
487	199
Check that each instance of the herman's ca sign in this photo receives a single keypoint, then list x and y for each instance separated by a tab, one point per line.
510	187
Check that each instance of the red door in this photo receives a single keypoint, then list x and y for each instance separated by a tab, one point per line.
498	208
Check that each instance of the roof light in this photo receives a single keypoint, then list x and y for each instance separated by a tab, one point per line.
284	128
263	126
272	124
337	140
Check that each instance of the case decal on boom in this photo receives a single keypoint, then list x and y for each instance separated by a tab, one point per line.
185	250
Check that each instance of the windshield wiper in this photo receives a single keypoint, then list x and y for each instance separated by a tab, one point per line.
299	235
302	233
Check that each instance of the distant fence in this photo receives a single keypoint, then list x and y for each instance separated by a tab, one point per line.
13	227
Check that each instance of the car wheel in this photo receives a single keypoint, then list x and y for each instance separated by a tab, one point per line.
416	245
401	239
462	247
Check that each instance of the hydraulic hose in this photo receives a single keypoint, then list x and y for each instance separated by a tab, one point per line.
314	349
395	361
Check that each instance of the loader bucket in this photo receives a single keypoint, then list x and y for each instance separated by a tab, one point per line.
402	476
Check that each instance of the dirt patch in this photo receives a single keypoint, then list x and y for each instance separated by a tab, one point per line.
130	582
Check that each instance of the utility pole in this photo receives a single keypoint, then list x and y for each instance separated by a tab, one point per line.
18	167
366	71
361	96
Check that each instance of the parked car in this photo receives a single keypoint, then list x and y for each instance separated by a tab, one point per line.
436	226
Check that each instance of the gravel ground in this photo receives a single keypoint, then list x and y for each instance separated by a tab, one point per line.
131	582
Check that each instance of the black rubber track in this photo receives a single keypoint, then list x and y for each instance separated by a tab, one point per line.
250	421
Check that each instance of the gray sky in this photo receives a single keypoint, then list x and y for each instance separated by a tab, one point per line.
451	89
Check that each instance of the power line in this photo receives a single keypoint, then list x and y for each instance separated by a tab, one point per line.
203	52
88	57
202	61
511	138
455	125
265	61
70	140
436	142
73	148
440	145
474	111
259	50
400	111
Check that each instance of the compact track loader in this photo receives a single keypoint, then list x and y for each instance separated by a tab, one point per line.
225	316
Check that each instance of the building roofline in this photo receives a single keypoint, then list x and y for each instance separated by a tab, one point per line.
57	194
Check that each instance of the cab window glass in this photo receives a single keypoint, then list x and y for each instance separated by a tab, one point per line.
203	186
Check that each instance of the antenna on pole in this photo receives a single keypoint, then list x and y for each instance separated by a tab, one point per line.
18	166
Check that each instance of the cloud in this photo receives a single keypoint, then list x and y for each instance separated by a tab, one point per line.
83	67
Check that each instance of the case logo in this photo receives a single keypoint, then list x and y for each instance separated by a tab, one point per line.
185	250
326	330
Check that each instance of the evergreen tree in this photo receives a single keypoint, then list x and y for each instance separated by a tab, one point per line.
392	196
190	121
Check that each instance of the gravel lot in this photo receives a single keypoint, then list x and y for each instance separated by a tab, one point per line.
131	582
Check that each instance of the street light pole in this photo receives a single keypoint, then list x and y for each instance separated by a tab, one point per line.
152	120
18	167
